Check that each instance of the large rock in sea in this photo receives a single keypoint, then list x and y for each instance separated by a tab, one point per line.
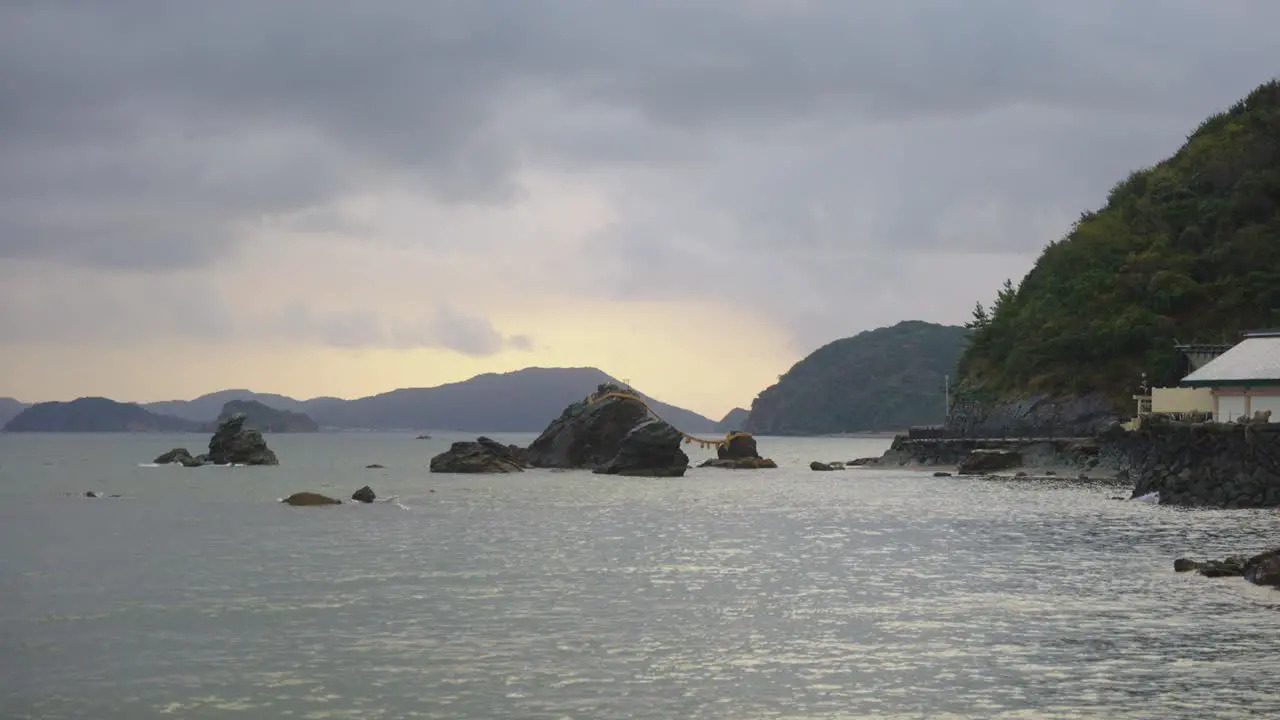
233	444
364	495
482	456
739	453
650	449
589	433
176	455
1262	569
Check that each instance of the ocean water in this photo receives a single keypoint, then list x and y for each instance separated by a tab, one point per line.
769	594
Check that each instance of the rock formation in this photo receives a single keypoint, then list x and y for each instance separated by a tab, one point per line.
233	444
481	456
825	467
650	449
364	495
306	499
587	434
740	453
1263	569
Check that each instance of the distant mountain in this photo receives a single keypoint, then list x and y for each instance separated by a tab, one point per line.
267	419
94	414
520	401
9	409
207	407
733	420
885	379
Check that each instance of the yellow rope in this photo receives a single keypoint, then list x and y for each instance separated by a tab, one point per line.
688	439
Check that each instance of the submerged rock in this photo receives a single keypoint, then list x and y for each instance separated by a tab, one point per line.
481	456
650	449
740	463
233	444
364	495
1261	569
306	499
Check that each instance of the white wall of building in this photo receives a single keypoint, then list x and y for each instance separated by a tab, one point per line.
1230	407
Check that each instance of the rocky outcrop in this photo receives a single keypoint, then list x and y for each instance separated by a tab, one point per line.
364	495
985	460
739	453
233	444
650	449
1037	416
1083	453
825	467
481	456
589	433
1262	569
308	499
1206	464
177	455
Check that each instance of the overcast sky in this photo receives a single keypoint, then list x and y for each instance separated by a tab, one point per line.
335	197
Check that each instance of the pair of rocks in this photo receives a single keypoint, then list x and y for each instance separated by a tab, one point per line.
825	467
231	444
307	499
609	432
1262	569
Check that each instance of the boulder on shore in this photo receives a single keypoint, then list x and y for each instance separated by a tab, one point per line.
308	499
481	456
364	495
589	433
650	449
233	444
984	461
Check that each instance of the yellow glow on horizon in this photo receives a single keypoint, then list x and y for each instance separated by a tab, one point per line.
691	355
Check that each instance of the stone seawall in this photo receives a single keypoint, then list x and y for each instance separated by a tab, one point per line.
1085	453
1205	464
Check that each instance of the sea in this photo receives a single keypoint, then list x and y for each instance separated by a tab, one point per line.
787	593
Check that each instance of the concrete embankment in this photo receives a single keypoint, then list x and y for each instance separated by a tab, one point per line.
1190	464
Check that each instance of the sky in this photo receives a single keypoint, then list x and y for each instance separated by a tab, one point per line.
325	197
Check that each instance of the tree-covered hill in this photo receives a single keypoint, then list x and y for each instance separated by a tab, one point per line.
1187	250
884	379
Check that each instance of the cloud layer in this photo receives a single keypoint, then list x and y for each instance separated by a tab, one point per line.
444	174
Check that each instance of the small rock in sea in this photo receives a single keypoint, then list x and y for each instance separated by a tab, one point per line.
374	466
92	494
176	455
1020	473
824	467
1185	565
1117	497
304	499
942	474
1082	476
364	495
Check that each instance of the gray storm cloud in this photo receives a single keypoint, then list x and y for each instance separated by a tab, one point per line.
808	160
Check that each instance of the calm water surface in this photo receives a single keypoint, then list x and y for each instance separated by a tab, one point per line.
775	594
